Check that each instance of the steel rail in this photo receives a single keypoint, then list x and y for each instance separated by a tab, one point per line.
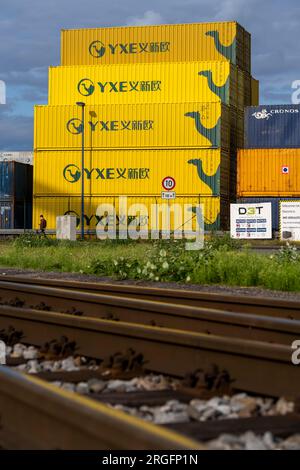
38	415
255	366
239	303
197	319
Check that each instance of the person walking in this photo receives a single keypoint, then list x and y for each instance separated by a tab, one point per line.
43	224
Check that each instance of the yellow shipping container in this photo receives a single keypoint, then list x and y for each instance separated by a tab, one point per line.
161	43
132	172
133	126
216	210
269	172
150	83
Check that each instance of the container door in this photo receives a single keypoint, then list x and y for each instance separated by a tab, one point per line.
6	216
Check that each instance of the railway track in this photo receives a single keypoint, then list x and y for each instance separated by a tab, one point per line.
37	415
255	366
252	345
245	304
260	326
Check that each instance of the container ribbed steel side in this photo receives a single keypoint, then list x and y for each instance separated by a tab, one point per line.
216	209
176	82
177	125
132	172
161	43
268	172
272	126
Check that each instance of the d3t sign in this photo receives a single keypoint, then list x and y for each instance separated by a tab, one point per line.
250	210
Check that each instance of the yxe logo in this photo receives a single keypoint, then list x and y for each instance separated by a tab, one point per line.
86	87
75	126
97	49
72	173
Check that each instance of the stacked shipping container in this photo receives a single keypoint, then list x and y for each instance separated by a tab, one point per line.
149	114
269	166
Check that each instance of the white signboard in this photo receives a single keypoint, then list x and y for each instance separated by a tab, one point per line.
289	218
251	220
168	195
66	227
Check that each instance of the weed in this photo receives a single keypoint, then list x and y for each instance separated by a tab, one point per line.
219	262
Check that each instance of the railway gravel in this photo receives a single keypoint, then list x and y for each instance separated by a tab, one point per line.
240	291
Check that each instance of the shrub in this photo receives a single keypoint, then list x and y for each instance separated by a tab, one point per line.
287	254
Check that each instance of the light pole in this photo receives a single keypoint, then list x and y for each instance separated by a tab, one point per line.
82	105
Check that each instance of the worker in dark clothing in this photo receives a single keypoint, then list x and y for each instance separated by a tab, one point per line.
43	224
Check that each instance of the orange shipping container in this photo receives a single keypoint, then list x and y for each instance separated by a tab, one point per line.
268	172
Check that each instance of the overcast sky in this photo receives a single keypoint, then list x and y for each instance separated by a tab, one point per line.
30	42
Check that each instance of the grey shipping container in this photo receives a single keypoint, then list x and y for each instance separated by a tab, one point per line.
272	126
15	214
16	180
275	206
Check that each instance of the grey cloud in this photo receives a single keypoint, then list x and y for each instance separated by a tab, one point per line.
34	95
36	77
149	17
16	132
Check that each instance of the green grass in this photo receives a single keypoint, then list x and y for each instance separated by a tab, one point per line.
223	262
64	257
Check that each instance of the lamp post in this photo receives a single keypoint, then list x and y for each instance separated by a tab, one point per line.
82	105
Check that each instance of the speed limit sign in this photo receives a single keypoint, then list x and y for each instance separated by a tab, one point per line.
168	183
